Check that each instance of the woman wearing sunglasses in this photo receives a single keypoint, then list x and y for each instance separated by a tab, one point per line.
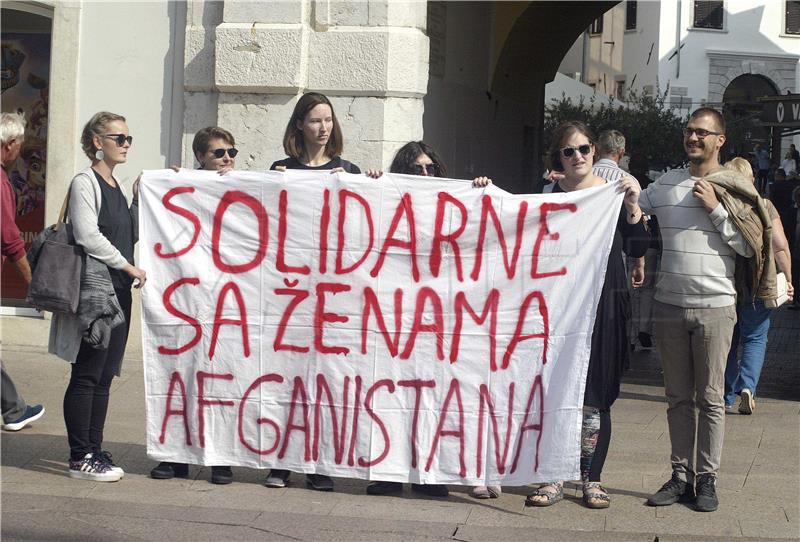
106	228
214	150
313	139
419	158
572	153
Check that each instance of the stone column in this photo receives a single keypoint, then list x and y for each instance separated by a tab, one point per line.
369	57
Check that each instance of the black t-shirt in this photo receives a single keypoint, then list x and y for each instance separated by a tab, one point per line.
294	163
116	225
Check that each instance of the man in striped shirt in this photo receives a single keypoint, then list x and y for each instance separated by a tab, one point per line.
610	150
695	310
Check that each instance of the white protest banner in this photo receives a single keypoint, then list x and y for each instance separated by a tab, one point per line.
404	329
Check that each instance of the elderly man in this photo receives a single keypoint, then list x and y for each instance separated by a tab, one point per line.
16	414
695	310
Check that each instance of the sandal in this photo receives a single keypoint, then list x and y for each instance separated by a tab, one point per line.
548	494
595	495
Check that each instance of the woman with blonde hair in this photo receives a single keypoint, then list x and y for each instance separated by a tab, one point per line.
753	318
106	228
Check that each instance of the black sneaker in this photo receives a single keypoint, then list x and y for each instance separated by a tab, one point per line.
319	482
92	468
384	488
706	493
676	490
221	475
431	490
166	470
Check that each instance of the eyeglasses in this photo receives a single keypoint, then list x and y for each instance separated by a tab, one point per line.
120	139
567	152
219	153
699	132
430	169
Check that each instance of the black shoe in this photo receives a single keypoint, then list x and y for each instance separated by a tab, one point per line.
221	475
645	340
320	482
384	488
166	470
706	493
676	490
431	490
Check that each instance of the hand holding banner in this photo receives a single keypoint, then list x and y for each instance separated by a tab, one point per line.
399	329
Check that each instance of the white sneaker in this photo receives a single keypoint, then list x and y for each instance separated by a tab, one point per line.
91	468
748	403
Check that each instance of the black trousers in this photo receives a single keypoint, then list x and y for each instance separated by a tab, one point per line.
86	398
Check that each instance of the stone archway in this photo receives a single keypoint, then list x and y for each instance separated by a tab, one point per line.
742	110
724	67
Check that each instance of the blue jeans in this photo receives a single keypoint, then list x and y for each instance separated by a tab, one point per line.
751	331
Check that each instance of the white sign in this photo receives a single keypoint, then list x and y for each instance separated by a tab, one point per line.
403	329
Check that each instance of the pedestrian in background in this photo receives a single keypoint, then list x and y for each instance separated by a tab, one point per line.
106	228
16	412
753	318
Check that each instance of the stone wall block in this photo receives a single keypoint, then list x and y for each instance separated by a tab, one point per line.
257	122
199	59
408	60
200	110
382	62
361	118
403	119
413	13
264	11
260	58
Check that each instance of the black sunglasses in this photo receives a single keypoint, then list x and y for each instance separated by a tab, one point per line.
219	153
699	132
567	152
430	169
120	139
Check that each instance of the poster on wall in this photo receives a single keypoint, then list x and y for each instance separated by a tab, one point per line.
26	82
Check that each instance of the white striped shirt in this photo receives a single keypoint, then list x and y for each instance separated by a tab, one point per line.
699	248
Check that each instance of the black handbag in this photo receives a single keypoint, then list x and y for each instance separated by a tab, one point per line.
56	262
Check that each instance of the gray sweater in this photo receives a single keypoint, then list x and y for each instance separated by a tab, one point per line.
699	248
85	198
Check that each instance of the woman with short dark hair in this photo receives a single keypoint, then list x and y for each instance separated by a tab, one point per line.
214	150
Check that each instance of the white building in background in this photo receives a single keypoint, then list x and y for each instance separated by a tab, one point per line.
716	53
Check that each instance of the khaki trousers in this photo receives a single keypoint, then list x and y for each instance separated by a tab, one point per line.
694	345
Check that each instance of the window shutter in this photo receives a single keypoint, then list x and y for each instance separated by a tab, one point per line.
793	17
708	14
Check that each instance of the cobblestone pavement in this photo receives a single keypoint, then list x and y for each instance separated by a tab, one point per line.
759	482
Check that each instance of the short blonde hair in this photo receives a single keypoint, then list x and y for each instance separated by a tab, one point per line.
742	166
96	126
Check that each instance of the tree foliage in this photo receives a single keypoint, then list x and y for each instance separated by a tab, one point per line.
649	127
